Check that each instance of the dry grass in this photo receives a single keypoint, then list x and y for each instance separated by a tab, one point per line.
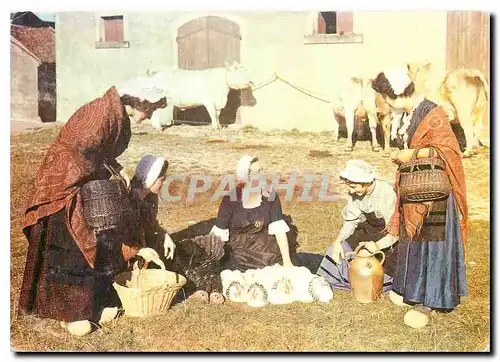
341	325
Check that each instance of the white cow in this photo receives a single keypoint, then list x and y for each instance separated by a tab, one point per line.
197	88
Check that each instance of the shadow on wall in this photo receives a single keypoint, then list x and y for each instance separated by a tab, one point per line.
228	115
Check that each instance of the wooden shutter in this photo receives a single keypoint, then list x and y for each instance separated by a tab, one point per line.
344	23
113	28
321	25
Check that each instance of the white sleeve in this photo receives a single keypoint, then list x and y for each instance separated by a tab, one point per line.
387	241
222	233
277	227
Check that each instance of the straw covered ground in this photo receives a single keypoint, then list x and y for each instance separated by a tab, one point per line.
341	325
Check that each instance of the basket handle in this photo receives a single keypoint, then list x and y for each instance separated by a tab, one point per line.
414	158
431	156
156	261
159	263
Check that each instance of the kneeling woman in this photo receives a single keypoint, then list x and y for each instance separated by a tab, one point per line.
371	205
253	224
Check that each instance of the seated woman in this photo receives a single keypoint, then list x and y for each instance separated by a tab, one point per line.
67	275
253	225
370	207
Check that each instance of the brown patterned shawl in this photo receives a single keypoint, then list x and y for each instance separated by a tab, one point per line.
435	131
98	131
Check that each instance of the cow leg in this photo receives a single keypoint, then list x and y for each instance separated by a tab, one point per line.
212	111
349	122
465	117
372	122
387	119
335	129
477	120
394	124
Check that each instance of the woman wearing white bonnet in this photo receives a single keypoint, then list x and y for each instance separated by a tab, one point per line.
253	225
142	96
371	203
147	185
86	149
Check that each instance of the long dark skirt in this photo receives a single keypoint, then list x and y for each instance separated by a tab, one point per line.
431	269
255	250
371	230
58	283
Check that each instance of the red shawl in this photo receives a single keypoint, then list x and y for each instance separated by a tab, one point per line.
98	131
435	131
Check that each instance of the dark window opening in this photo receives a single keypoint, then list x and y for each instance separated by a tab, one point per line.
330	22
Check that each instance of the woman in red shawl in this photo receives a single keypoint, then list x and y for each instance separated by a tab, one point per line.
431	268
67	277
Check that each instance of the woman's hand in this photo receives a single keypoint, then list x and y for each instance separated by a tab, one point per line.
169	247
395	157
338	251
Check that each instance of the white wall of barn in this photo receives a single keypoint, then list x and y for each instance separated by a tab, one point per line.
271	42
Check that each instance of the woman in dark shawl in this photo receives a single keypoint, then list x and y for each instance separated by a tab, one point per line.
67	275
431	269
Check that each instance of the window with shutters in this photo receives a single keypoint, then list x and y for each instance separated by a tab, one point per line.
327	27
111	32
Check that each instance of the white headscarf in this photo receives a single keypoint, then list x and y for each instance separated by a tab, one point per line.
243	167
148	169
358	171
149	88
398	78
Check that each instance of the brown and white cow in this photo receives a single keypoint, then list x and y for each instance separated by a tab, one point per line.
462	92
358	100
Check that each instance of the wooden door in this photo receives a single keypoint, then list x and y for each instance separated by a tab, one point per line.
208	42
468	45
204	43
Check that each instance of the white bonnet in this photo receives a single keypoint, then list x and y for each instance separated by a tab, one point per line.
243	167
398	78
148	88
358	171
148	169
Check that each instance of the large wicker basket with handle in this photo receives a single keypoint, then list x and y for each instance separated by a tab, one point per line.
424	179
145	292
106	203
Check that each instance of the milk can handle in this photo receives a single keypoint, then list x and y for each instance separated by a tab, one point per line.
378	252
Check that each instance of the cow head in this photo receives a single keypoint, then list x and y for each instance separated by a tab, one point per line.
419	75
237	76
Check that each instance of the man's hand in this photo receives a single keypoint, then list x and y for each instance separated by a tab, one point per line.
338	252
371	246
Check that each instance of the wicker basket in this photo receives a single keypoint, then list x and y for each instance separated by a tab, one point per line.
424	179
105	204
153	291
